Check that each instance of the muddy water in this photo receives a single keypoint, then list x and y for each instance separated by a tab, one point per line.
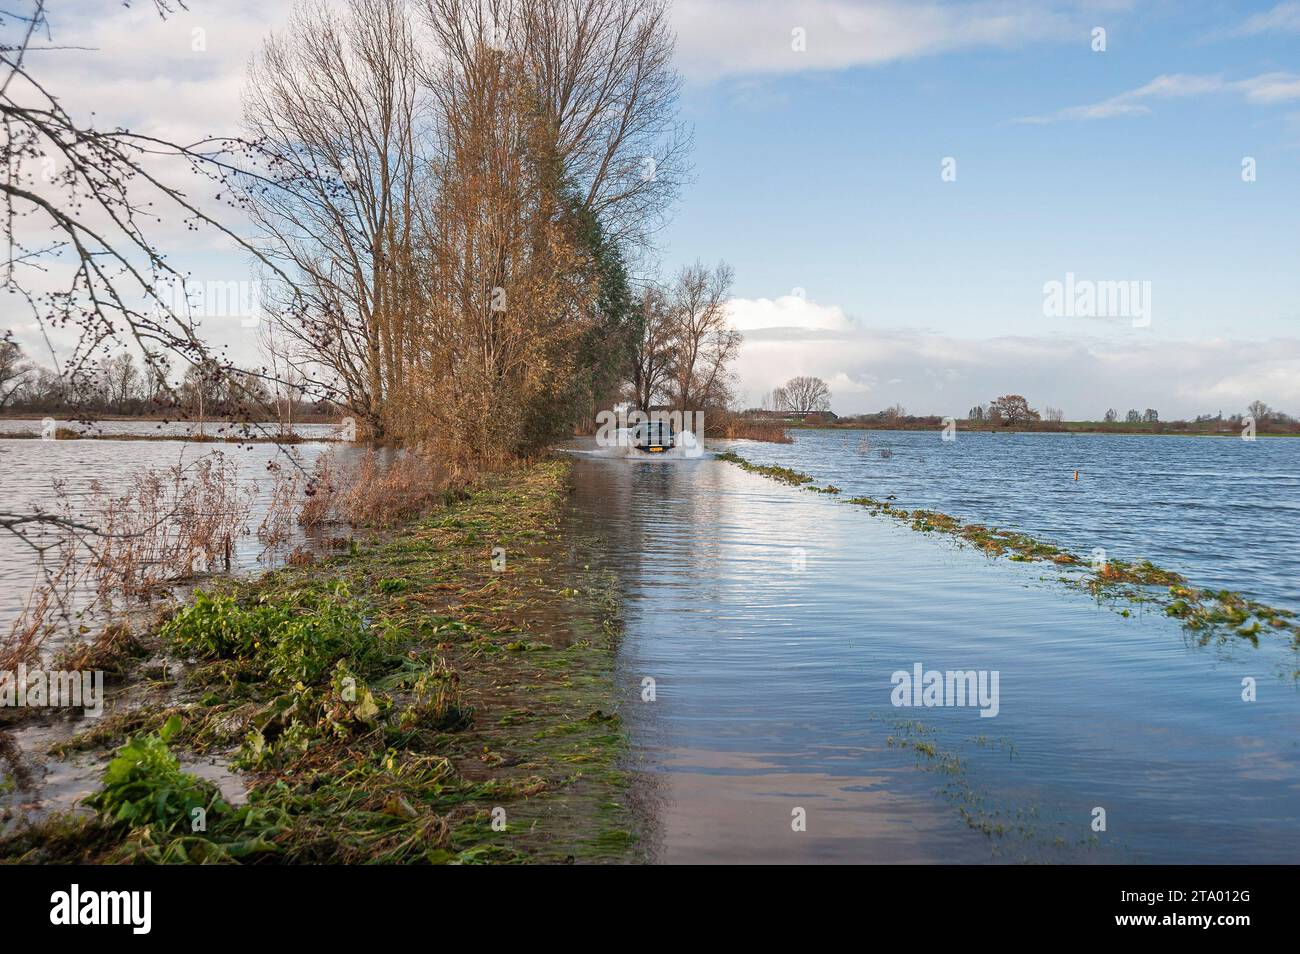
771	620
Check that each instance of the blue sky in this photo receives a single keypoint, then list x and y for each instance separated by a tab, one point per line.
819	171
829	180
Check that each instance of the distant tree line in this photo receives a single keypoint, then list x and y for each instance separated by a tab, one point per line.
124	386
809	398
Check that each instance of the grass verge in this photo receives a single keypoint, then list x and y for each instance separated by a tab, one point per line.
440	695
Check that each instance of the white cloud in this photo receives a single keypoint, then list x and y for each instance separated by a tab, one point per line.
717	38
1262	89
791	314
1283	18
1271	88
177	77
869	368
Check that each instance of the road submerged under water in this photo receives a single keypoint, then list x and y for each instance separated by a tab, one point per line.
771	621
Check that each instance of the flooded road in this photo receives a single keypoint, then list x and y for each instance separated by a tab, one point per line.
763	626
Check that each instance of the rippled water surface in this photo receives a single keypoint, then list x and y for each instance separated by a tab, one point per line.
771	619
142	428
1224	512
29	469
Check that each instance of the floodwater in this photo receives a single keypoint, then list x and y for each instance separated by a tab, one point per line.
763	626
1224	512
141	428
29	468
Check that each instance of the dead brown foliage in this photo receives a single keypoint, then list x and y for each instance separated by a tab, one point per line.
378	489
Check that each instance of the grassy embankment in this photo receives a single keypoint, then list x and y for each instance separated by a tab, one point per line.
1207	613
384	705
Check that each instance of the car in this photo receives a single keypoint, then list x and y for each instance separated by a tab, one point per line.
653	437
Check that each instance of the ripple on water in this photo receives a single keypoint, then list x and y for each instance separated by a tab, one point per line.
771	620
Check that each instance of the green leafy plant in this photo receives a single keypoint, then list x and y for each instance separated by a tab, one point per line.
297	639
216	626
144	786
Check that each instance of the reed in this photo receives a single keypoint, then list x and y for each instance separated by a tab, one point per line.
173	523
283	502
374	492
48	603
770	431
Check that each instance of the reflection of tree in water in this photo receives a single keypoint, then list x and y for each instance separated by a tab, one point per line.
637	525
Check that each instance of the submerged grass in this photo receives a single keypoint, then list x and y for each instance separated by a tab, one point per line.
1016	831
784	474
442	695
1209	614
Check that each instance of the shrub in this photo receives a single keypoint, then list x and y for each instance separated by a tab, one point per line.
144	786
217	627
297	639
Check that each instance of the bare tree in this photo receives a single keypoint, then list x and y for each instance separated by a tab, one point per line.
334	100
1014	409
1257	409
287	379
157	377
14	371
652	358
603	71
120	379
705	343
202	392
805	395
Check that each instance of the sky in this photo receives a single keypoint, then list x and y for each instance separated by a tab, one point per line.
926	204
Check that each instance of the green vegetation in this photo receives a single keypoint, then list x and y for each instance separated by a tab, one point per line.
403	703
144	785
1016	831
783	474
